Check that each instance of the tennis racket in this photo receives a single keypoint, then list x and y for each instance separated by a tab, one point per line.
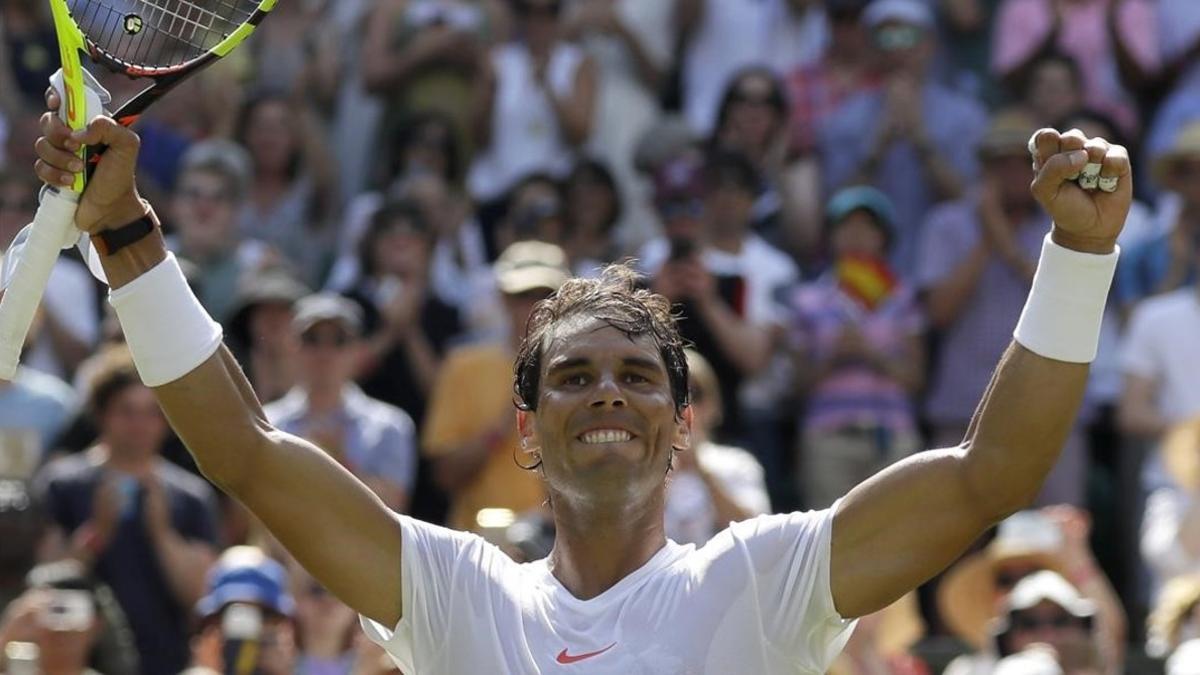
165	41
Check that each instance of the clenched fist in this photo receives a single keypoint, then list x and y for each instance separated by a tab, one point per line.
1084	220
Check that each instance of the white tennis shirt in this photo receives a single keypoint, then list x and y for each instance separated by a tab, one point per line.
754	599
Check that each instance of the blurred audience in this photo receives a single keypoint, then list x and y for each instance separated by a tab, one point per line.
372	439
247	618
833	193
857	334
912	137
141	525
470	430
711	485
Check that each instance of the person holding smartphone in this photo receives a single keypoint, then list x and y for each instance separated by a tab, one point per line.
143	526
68	624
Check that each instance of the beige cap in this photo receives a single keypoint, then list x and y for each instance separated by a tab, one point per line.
528	265
1186	146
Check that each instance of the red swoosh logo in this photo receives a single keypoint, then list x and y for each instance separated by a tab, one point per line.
566	659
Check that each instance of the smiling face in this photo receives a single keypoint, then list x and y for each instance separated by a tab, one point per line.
605	422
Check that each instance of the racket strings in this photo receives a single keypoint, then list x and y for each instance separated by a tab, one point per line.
159	33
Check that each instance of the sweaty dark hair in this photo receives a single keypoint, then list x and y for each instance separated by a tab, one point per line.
615	299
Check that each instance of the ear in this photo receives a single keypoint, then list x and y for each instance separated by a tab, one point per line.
527	431
682	439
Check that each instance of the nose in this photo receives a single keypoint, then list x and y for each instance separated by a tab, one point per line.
608	393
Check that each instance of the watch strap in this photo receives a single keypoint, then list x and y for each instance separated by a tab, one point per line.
109	242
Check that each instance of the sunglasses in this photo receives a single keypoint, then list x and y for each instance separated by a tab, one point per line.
756	98
315	339
682	208
539	8
1029	622
200	194
893	38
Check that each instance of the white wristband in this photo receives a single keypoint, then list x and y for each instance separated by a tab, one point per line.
1061	319
169	334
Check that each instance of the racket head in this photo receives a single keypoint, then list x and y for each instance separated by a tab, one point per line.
164	40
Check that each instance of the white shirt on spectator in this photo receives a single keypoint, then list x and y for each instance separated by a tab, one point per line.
754	599
1162	345
736	34
1165	555
765	269
691	516
525	137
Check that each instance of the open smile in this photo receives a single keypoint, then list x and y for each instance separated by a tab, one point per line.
598	436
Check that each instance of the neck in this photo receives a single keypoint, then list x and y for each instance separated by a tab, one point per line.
324	399
324	642
596	546
729	242
127	460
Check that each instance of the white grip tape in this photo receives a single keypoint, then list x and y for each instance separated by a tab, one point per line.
53	224
169	334
1061	319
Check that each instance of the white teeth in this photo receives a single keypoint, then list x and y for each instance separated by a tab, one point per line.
606	436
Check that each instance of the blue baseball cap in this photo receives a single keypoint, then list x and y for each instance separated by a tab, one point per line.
851	199
246	574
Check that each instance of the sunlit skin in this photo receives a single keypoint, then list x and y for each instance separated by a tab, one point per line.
608	498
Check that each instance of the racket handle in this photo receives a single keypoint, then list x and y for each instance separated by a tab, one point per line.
53	225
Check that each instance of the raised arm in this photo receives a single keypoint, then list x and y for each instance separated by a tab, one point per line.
333	524
903	526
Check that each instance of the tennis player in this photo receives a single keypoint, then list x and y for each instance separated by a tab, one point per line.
601	385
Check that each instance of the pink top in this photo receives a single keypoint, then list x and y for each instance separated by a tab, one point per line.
1022	26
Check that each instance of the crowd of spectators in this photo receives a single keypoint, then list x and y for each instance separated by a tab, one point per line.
372	195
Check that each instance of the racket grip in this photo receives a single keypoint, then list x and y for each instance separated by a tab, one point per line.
53	224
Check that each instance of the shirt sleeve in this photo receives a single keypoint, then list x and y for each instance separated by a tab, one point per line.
440	569
394	456
790	556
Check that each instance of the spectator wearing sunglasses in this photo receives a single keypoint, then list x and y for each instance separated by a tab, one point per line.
534	105
977	591
1045	609
205	203
372	439
912	137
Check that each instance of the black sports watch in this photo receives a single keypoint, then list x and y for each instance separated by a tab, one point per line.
109	242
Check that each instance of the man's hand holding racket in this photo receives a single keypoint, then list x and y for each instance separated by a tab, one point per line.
111	199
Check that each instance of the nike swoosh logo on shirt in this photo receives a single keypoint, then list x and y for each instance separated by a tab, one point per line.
566	659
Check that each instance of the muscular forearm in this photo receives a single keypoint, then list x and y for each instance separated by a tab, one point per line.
1006	463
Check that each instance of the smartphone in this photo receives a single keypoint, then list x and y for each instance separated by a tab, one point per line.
127	490
68	611
681	248
241	621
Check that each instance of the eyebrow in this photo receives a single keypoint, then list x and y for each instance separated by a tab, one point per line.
581	361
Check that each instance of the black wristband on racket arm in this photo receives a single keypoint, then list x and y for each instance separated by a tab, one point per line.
109	242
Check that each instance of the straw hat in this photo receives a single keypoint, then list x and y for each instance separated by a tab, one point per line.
967	595
1186	146
1181	453
899	627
